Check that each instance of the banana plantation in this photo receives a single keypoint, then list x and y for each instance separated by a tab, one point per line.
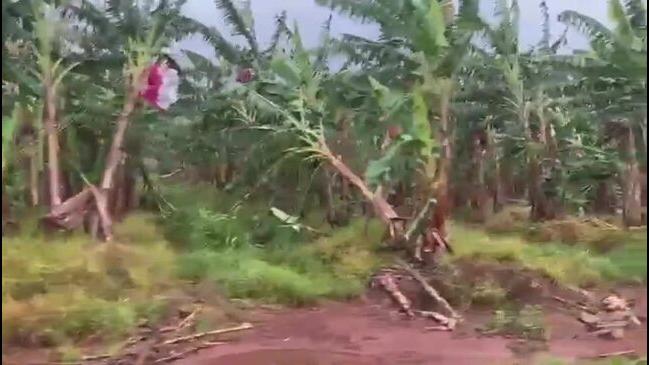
277	173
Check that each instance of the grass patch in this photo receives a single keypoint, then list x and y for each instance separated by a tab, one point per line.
292	273
602	234
248	253
488	293
596	233
526	322
510	219
205	219
62	289
568	264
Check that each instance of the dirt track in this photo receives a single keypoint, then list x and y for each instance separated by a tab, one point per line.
364	333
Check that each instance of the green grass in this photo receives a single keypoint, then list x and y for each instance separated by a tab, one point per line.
526	323
568	264
294	273
64	288
248	253
488	293
631	259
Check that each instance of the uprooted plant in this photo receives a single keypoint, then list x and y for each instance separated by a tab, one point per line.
308	117
91	204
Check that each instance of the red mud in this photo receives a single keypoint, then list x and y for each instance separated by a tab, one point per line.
366	333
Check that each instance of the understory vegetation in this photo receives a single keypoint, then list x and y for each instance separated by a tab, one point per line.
277	178
65	288
570	263
76	288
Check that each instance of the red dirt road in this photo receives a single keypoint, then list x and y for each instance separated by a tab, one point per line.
365	333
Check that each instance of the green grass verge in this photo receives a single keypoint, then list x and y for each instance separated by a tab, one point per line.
568	264
63	288
249	253
294	273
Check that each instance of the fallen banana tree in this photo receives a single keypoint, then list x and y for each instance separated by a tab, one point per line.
421	233
415	235
91	204
387	279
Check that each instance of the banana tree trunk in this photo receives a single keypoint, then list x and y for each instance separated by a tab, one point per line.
632	191
643	149
383	210
113	159
443	206
329	199
51	128
551	201
70	214
117	201
542	206
480	201
497	187
34	183
537	201
604	202
6	208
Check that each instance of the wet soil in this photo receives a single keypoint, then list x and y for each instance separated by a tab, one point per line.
372	332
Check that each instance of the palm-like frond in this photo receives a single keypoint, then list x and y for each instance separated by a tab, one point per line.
468	15
600	36
280	29
211	35
322	54
504	37
365	51
365	10
623	28
637	13
241	27
431	20
199	61
544	44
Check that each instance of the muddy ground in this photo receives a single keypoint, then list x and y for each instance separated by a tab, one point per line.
371	331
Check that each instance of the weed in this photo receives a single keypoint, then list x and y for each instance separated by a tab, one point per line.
526	323
290	273
206	219
65	288
69	353
251	255
510	219
335	266
488	293
567	264
594	233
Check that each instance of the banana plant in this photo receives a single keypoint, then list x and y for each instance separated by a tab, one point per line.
50	73
616	70
9	127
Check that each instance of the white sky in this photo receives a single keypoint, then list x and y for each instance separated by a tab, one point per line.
310	17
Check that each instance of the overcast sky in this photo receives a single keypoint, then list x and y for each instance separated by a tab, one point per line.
310	17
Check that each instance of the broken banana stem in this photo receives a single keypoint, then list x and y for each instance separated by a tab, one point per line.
429	289
389	284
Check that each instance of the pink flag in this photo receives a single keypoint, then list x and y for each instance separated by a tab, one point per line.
162	86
